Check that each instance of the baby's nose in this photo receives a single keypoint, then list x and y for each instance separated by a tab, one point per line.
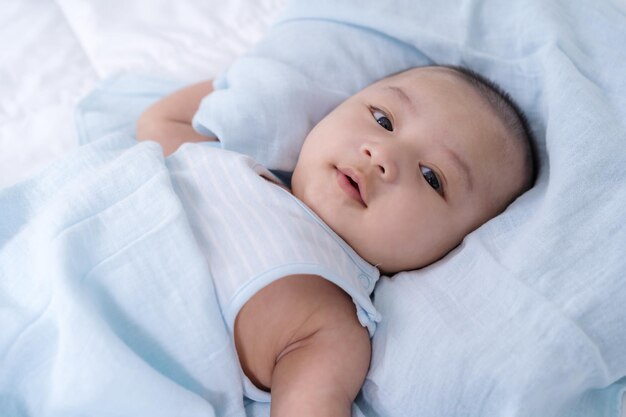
383	159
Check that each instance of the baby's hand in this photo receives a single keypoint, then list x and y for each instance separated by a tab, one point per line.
168	121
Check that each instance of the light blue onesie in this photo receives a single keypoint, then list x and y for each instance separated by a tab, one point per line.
253	231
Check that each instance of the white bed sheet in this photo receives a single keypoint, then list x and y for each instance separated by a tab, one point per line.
54	52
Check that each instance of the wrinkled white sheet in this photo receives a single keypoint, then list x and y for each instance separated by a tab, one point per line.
55	52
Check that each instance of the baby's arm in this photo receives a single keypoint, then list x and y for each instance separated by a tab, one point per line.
168	121
300	338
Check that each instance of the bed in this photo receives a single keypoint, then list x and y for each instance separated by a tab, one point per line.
55	52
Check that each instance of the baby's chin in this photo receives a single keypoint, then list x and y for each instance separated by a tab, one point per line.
396	262
387	264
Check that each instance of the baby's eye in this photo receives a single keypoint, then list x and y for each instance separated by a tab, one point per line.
382	119
431	178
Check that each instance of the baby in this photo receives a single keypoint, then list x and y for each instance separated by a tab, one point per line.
402	171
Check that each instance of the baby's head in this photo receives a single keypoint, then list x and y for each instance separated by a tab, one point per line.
407	167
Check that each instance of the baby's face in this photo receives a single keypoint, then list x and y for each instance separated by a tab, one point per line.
406	168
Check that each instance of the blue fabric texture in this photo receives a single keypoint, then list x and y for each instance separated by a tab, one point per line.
527	316
106	303
116	103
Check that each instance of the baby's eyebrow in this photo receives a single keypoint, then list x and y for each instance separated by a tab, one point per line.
402	95
459	162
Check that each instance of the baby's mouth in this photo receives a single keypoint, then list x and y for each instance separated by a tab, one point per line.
354	184
348	182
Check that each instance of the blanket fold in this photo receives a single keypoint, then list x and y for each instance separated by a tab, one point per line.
105	301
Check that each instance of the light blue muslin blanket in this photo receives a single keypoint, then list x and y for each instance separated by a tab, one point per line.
107	307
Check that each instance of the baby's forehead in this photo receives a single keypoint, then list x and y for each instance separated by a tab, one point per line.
441	88
437	79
